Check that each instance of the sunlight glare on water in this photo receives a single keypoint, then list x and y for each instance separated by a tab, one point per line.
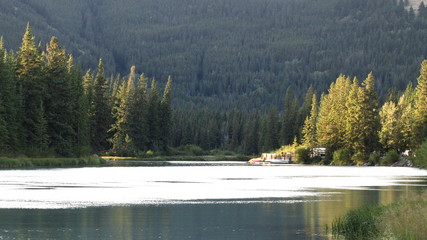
106	186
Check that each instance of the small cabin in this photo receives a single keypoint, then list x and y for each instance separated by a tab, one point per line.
318	152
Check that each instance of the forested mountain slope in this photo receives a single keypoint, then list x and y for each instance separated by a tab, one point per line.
232	53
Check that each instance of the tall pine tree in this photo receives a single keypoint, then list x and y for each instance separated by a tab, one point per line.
420	113
100	114
309	134
166	116
32	88
59	100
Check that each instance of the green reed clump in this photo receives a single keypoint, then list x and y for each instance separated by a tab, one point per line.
361	223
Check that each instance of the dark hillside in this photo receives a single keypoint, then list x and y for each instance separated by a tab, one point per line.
232	53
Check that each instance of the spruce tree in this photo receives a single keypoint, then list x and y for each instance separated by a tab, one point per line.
288	125
389	134
272	134
9	103
138	119
81	111
370	113
166	115
121	139
331	122
59	100
251	136
420	113
406	118
153	118
100	115
309	130
353	136
32	88
303	112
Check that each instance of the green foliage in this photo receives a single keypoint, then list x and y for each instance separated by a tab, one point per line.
421	155
215	51
420	113
331	124
402	220
302	155
359	158
405	220
342	157
375	158
390	158
191	150
309	129
100	112
360	223
50	162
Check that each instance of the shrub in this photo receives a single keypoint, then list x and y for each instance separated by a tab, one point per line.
150	153
390	158
359	159
341	157
375	158
191	150
302	155
421	155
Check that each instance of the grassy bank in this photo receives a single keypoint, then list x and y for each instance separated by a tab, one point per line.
406	220
181	158
24	162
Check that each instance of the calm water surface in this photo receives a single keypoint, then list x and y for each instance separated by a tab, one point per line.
192	200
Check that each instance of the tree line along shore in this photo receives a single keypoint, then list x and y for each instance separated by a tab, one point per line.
49	108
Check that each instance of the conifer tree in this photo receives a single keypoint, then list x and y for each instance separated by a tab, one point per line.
272	134
80	109
9	103
420	113
353	136
309	129
31	87
288	125
389	135
303	112
166	115
59	100
100	115
121	139
251	136
406	118
370	113
235	129
153	118
138	111
263	141
331	122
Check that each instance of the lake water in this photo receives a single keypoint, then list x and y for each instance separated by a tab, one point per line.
189	200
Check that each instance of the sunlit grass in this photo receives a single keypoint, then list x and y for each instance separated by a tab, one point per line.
406	220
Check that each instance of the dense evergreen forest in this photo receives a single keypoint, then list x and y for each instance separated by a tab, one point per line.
50	104
227	54
48	108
